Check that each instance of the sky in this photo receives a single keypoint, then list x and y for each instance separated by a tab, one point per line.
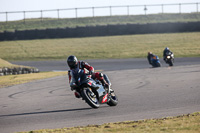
26	5
31	5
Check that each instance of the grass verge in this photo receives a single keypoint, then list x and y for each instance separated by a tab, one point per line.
180	124
4	63
127	46
93	21
10	80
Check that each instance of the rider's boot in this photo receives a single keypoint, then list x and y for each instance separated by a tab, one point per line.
77	94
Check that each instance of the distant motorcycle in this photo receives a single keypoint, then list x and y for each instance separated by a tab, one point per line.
155	61
92	91
169	59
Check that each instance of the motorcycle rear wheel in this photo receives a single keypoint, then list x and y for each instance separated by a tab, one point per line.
89	99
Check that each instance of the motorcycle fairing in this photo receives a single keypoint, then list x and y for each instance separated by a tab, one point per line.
105	98
102	94
92	84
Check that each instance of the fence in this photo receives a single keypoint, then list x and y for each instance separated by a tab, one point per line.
100	11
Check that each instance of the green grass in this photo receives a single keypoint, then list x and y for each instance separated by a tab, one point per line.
111	20
4	63
181	124
127	46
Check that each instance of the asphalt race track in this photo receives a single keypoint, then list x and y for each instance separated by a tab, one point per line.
143	93
106	65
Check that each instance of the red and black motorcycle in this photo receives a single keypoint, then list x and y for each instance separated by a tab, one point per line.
92	91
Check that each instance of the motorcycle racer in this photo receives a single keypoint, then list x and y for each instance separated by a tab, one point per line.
74	65
166	50
153	60
149	56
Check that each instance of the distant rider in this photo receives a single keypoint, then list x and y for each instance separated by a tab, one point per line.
149	57
74	64
166	50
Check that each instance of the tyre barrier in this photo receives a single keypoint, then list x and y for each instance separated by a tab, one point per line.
17	70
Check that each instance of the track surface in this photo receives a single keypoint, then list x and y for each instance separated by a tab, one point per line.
106	65
143	93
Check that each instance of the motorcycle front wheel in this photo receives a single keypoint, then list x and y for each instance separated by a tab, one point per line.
158	65
90	98
171	63
113	100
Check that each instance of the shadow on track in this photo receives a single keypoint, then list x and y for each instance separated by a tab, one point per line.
45	112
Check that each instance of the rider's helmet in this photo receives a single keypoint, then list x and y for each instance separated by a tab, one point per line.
149	53
166	49
72	61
